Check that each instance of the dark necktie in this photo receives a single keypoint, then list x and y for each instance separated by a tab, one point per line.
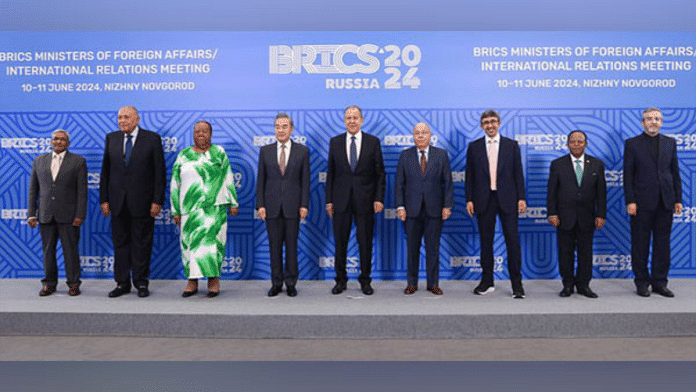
129	148
422	163
353	154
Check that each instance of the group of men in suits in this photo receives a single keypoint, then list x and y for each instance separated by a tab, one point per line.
133	177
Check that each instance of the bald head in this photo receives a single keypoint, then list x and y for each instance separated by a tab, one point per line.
421	135
128	119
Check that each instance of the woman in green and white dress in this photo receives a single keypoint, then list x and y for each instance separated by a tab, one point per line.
202	192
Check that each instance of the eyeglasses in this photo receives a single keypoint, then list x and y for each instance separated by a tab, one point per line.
652	119
489	122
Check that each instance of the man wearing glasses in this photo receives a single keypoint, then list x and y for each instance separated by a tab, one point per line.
495	186
653	191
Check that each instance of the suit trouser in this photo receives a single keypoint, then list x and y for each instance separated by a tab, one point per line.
364	231
416	228
283	231
568	242
132	237
658	224
486	225
69	238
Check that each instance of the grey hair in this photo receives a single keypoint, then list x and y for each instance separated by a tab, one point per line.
63	131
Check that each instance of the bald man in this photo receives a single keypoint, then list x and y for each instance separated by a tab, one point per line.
131	191
424	199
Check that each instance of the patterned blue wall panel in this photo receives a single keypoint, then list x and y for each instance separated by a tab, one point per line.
541	133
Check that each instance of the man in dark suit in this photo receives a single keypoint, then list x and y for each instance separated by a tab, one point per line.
355	183
653	190
131	190
495	186
282	200
576	203
424	199
59	184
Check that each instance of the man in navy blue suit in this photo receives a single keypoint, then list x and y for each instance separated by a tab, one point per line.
424	199
653	190
355	183
282	200
131	190
576	203
495	186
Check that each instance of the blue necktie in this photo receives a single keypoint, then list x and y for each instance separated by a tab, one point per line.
353	154
129	148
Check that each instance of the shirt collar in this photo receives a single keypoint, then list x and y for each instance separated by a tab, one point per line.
496	138
134	133
358	136
61	155
582	158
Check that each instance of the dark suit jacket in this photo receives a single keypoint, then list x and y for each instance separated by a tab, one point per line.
435	188
63	199
510	180
366	184
645	180
573	203
142	182
290	191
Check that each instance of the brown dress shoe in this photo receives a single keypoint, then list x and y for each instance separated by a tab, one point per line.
46	291
435	290
410	290
74	291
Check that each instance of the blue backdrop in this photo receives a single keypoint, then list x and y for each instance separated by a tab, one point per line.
543	84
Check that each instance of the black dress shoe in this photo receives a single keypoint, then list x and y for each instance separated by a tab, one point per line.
367	289
642	291
587	292
74	290
187	294
143	292
274	290
566	292
119	291
46	291
291	291
663	291
338	288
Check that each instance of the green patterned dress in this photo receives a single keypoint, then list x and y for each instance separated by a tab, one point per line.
202	189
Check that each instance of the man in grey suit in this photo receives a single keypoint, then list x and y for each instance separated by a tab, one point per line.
424	199
59	185
282	200
576	202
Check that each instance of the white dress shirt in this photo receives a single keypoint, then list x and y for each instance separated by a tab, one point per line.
358	144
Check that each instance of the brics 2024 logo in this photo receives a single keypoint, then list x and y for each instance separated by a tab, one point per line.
399	65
